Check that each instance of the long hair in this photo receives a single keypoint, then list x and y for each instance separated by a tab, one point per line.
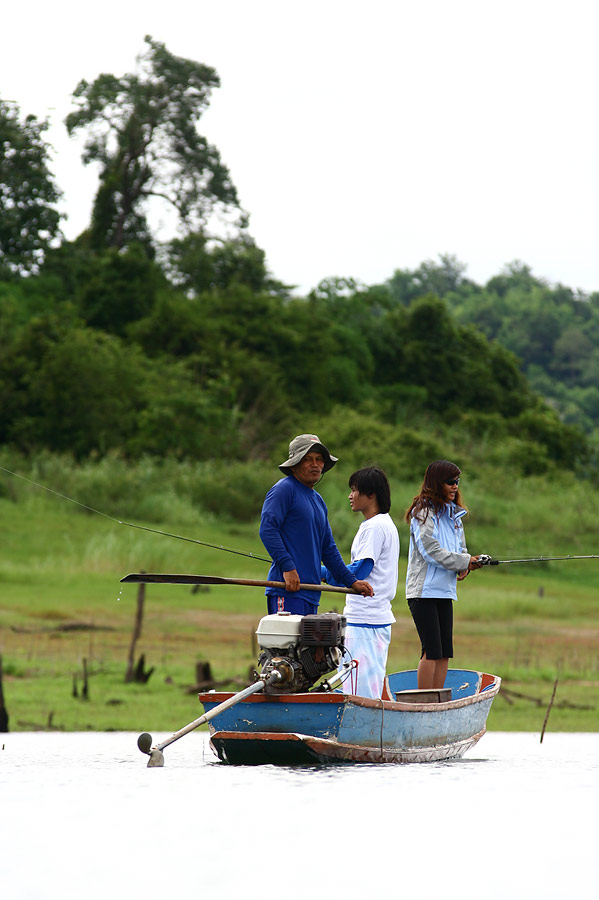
372	480
432	494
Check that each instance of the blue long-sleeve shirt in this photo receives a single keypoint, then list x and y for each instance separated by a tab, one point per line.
295	530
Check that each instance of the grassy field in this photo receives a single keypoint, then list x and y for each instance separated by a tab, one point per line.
62	603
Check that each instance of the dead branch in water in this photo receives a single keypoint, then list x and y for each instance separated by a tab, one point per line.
509	695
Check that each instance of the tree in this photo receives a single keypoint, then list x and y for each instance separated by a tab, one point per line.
514	275
142	130
69	388
198	264
28	219
120	288
429	278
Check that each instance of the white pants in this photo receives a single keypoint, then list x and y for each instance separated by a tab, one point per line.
369	646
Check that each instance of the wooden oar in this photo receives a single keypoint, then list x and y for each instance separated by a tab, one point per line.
216	579
144	741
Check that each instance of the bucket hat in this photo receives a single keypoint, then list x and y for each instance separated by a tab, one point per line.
301	445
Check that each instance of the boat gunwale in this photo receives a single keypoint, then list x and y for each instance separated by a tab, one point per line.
489	692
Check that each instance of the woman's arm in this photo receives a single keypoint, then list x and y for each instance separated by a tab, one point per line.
431	550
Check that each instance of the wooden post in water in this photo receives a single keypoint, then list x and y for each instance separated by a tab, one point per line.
139	616
204	675
3	710
140	673
85	688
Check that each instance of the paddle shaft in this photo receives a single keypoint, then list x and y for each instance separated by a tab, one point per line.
226	704
216	579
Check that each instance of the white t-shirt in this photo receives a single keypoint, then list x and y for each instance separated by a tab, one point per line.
376	539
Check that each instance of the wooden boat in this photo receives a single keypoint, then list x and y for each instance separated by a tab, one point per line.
406	725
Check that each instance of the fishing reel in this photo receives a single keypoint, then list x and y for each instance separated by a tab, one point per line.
302	649
484	559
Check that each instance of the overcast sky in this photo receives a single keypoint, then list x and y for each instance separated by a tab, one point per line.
362	136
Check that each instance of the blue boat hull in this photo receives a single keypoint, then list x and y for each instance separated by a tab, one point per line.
291	729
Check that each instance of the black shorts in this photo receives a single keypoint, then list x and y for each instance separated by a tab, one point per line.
434	622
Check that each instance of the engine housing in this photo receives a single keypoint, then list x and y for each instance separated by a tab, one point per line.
302	648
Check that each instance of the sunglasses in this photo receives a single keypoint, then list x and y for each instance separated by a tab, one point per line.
453	481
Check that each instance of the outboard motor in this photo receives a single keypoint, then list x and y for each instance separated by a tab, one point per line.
301	648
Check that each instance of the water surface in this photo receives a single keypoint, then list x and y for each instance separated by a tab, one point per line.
81	816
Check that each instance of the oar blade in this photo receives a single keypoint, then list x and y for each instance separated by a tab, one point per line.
144	578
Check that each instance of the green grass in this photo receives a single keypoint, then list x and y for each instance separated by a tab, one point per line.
61	565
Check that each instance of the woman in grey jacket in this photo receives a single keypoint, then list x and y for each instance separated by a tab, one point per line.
438	558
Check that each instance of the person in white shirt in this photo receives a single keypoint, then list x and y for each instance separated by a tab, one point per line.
374	555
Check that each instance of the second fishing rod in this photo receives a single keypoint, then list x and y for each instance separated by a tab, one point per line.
486	560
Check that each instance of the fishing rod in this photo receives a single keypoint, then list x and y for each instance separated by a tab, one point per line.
178	537
486	560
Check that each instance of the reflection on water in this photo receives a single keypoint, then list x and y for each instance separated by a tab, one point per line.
82	816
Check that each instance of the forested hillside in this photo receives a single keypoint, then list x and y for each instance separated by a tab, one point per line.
117	343
553	330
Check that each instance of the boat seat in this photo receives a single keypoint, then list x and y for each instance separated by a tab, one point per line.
462	682
424	695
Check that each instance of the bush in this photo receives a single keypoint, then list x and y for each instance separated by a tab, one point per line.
234	490
564	444
361	440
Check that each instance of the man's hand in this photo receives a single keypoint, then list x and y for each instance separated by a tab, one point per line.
362	587
292	580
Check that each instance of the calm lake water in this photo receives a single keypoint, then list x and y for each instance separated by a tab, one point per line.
81	816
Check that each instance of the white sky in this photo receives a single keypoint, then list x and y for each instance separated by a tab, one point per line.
362	136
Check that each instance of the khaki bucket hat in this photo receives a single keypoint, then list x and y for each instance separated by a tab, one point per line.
301	445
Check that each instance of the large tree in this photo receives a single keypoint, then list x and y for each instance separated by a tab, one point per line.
142	130
28	219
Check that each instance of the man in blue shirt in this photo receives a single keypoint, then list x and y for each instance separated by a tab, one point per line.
295	530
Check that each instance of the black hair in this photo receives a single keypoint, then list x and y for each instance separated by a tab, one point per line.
372	480
431	494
